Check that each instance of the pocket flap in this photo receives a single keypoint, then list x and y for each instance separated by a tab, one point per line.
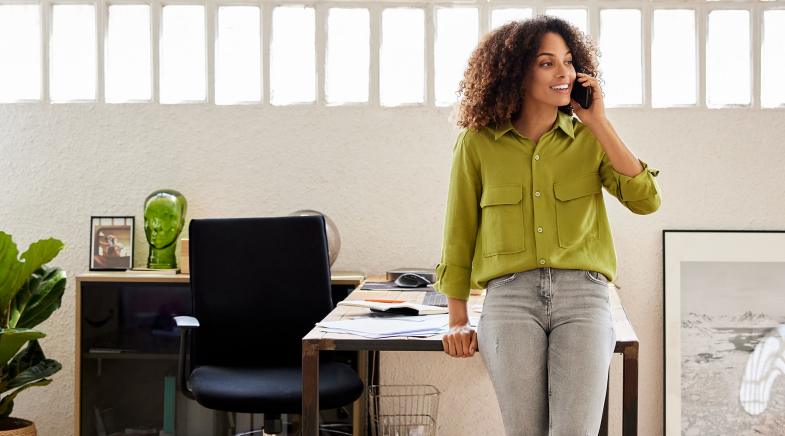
578	187
505	194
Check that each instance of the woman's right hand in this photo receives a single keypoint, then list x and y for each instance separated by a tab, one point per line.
460	341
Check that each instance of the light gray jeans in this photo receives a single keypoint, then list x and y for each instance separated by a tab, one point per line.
546	337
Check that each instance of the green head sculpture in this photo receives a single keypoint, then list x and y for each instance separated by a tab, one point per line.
164	219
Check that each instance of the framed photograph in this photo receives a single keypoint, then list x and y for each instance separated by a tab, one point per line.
111	243
724	332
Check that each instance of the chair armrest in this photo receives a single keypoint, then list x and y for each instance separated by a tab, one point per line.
185	324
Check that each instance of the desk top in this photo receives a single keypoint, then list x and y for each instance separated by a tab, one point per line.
336	277
625	334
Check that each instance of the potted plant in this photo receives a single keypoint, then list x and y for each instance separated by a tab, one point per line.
29	292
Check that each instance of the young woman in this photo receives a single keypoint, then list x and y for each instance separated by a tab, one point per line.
526	218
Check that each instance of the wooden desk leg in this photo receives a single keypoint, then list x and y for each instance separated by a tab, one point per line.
360	416
310	415
630	414
604	422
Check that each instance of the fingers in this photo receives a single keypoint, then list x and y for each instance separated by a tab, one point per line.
460	342
465	340
587	80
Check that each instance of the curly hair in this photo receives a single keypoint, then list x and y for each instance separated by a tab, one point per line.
492	84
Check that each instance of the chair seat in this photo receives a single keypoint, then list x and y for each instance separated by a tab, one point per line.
271	390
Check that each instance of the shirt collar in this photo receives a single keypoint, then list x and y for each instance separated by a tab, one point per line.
563	121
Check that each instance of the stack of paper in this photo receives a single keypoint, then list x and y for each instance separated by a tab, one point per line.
377	327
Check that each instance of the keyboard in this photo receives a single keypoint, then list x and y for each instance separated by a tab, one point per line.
435	299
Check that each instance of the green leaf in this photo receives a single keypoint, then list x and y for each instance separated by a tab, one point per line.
45	296
14	273
25	359
11	340
24	294
28	366
41	370
7	403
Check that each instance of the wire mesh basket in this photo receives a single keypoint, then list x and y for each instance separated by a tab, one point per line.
403	410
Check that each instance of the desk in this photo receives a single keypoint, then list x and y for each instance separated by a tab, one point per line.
316	340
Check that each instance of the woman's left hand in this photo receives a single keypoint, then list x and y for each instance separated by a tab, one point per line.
596	112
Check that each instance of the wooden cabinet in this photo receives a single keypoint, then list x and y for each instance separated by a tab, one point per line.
126	353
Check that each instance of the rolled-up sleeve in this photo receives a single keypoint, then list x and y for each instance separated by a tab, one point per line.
460	223
639	193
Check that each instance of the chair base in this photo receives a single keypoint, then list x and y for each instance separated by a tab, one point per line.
226	424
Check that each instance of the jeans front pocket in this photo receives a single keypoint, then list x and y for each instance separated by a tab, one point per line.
498	281
501	225
576	209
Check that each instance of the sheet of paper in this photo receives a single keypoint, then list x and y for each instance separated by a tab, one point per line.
392	326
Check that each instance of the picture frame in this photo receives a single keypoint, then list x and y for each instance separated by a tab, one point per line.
111	243
723	332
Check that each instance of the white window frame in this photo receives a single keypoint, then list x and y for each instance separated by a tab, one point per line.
701	7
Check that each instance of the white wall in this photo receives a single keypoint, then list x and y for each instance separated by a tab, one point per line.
381	175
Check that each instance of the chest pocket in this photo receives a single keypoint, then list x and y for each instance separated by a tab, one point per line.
502	223
576	209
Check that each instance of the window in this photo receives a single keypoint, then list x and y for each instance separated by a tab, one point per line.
183	68
653	54
621	65
72	53
456	36
501	16
293	56
773	59
20	47
348	56
238	55
128	70
673	63
728	58
577	17
402	57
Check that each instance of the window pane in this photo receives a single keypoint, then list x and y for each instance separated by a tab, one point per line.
728	58
128	68
620	43
348	55
505	15
238	55
293	56
673	63
578	17
456	36
72	53
402	58
773	59
20	47
182	54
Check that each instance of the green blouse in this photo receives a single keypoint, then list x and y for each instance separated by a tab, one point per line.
514	206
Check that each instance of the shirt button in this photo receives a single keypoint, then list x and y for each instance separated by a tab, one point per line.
539	229
536	157
536	193
542	261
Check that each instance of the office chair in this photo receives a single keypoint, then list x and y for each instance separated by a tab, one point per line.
258	286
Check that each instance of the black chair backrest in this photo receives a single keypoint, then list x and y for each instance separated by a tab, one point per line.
258	286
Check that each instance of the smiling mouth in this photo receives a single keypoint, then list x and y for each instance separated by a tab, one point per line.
563	90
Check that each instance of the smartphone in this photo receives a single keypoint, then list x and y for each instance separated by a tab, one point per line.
581	94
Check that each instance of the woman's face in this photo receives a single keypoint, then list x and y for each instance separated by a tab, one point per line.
552	66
